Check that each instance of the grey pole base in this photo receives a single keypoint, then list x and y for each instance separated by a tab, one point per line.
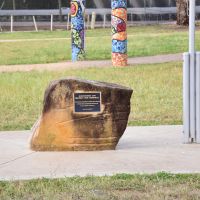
191	98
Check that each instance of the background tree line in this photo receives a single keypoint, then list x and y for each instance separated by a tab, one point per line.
182	5
33	4
51	4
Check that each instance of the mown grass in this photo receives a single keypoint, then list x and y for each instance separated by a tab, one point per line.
143	41
122	186
157	97
90	33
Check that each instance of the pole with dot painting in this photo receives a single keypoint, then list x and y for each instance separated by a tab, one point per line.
78	29
119	33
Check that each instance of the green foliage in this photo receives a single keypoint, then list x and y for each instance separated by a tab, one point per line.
32	4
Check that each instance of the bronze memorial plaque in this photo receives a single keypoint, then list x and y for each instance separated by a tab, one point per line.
87	102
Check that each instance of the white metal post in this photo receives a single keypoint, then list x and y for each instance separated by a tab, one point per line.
51	22
192	69
11	23
198	97
35	24
186	98
104	20
93	20
68	21
88	21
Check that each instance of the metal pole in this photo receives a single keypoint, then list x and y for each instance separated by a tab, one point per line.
119	33
60	9
14	5
11	23
51	22
35	24
145	10
198	97
104	20
68	21
78	29
192	69
93	20
186	98
169	4
151	4
88	21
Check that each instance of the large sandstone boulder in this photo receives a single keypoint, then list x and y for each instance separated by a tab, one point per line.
82	115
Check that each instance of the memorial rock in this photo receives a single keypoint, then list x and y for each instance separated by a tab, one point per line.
82	115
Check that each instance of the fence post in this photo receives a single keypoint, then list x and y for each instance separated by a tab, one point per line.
78	29
131	18
35	24
68	20
119	34
88	21
104	20
51	22
93	20
11	23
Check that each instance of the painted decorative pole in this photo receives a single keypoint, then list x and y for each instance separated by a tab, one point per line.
119	34
78	29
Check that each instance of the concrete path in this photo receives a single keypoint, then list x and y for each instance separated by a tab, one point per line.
141	150
88	64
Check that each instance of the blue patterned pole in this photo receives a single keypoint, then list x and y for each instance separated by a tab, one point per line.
119	33
78	29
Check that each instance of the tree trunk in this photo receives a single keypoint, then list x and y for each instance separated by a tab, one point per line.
182	12
14	4
60	9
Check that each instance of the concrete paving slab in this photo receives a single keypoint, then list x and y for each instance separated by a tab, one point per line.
141	150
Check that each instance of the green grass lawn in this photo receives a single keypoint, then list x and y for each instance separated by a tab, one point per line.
90	33
119	187
142	41
157	97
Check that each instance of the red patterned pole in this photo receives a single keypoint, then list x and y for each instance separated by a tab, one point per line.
119	33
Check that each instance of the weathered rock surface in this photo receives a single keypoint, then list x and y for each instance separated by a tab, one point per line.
60	128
